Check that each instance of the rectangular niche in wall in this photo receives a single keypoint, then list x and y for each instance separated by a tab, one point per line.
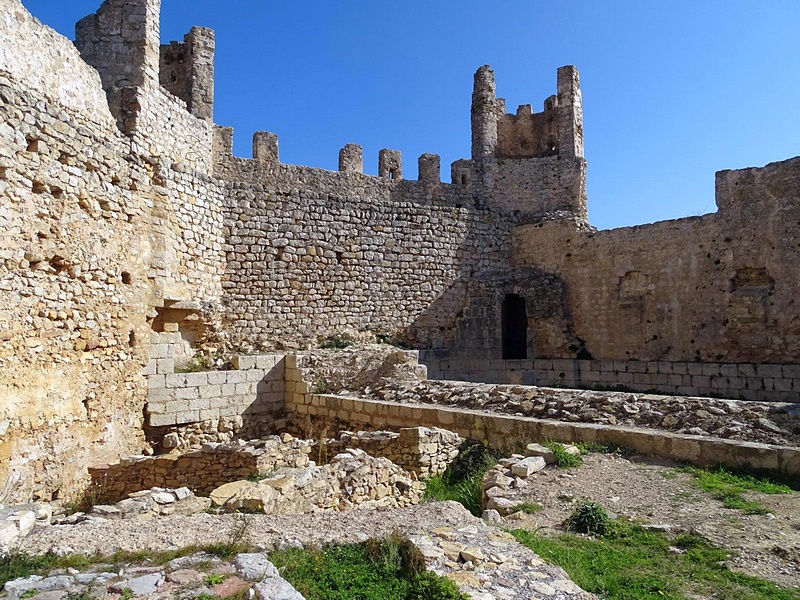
515	327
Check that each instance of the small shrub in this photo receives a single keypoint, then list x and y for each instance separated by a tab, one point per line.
196	364
462	479
589	518
320	386
563	458
336	342
473	459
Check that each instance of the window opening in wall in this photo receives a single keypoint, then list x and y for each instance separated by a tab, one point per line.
464	180
514	327
391	174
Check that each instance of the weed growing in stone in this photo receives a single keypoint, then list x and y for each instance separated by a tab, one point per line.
126	594
630	563
727	487
336	342
29	594
462	479
388	568
213	578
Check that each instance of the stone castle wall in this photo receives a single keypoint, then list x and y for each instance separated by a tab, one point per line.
311	253
123	210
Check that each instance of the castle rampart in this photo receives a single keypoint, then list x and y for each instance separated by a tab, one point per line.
124	212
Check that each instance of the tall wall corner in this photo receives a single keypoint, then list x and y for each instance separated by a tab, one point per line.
570	112
484	114
351	159
121	41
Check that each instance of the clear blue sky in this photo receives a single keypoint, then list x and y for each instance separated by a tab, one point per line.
672	90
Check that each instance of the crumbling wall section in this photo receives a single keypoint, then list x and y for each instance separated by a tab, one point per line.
73	267
719	288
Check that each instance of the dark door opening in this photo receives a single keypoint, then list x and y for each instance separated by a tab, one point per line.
515	327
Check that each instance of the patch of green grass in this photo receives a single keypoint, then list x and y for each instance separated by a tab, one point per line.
30	593
16	564
530	508
563	458
126	594
467	492
727	487
633	564
390	568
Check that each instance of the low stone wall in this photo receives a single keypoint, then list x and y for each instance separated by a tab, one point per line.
200	471
425	451
509	432
253	390
770	382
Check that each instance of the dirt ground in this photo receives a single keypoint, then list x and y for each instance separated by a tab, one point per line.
651	492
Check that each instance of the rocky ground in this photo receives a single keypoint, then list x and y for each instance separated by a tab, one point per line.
484	560
479	556
653	493
767	423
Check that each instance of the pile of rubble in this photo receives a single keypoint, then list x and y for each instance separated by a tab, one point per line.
510	475
768	423
353	479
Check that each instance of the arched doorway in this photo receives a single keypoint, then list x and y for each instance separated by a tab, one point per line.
514	327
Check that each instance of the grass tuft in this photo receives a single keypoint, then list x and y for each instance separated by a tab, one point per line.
589	518
462	479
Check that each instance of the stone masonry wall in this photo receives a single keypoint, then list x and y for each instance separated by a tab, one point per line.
509	432
312	253
244	402
771	382
103	216
425	451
